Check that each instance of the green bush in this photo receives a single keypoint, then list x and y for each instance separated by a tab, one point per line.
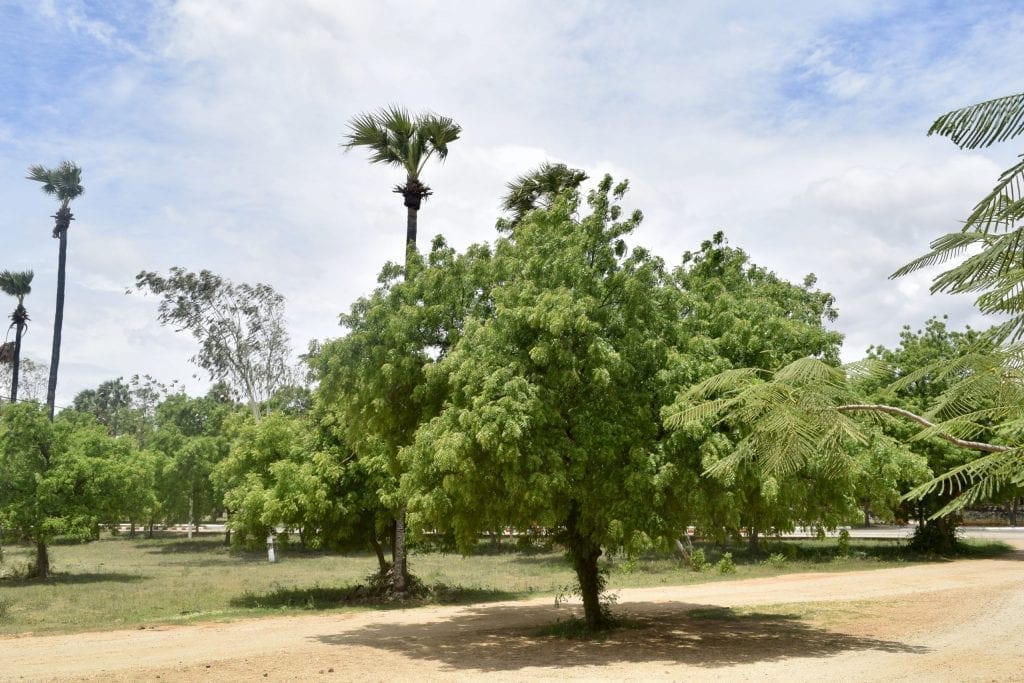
726	564
843	544
698	560
776	560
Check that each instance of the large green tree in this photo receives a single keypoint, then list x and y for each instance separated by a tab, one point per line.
18	285
64	182
551	415
397	138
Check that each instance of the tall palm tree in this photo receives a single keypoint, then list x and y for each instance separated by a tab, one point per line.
65	183
539	188
396	138
18	285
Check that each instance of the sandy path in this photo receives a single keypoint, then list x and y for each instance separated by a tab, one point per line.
958	621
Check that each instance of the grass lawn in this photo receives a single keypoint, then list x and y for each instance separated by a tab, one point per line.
118	582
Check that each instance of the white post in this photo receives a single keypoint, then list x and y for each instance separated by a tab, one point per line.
271	548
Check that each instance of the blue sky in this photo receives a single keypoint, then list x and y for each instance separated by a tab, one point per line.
208	133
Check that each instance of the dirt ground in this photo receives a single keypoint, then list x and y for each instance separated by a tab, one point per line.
956	621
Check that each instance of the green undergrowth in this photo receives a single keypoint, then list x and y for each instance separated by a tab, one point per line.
119	582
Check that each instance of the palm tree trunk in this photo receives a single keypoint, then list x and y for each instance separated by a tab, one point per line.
411	215
16	366
63	220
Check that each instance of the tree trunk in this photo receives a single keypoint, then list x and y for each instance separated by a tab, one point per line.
400	570
584	554
752	541
131	529
190	522
42	561
63	221
1013	512
867	516
227	527
16	365
382	561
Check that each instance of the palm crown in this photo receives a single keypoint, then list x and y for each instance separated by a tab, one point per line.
16	284
396	138
63	182
539	188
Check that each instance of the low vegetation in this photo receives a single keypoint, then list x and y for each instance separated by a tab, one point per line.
118	582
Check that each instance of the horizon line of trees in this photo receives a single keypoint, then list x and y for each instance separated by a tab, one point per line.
559	376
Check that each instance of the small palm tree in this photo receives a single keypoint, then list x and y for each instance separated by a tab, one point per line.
397	139
539	188
65	183
18	285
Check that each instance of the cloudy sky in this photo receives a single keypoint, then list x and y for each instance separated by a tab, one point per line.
208	132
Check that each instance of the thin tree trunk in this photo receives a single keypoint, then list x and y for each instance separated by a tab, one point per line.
867	515
378	549
399	569
16	366
63	221
752	541
42	561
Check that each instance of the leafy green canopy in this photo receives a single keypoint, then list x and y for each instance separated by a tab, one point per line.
67	477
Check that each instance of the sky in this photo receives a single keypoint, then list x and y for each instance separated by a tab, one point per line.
209	132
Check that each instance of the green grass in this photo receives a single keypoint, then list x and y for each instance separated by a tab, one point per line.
118	582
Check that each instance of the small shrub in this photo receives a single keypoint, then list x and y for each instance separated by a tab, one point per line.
726	564
843	544
698	560
5	608
776	560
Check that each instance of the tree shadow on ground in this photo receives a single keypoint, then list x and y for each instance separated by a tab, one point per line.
504	638
333	597
72	579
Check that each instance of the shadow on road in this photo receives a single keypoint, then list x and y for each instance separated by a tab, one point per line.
504	638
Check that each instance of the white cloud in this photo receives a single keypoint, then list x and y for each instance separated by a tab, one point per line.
209	140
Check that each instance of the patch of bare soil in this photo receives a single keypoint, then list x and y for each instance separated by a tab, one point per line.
956	621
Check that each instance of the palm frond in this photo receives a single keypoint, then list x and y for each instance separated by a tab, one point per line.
63	182
944	248
396	138
982	124
1003	206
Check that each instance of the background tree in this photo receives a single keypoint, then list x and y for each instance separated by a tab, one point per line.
240	329
736	314
62	478
374	391
396	138
65	183
191	437
18	285
32	379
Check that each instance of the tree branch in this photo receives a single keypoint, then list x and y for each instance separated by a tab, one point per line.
900	412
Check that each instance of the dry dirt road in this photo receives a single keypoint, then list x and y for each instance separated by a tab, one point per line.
956	621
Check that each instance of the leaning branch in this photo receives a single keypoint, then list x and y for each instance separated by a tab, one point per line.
893	410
